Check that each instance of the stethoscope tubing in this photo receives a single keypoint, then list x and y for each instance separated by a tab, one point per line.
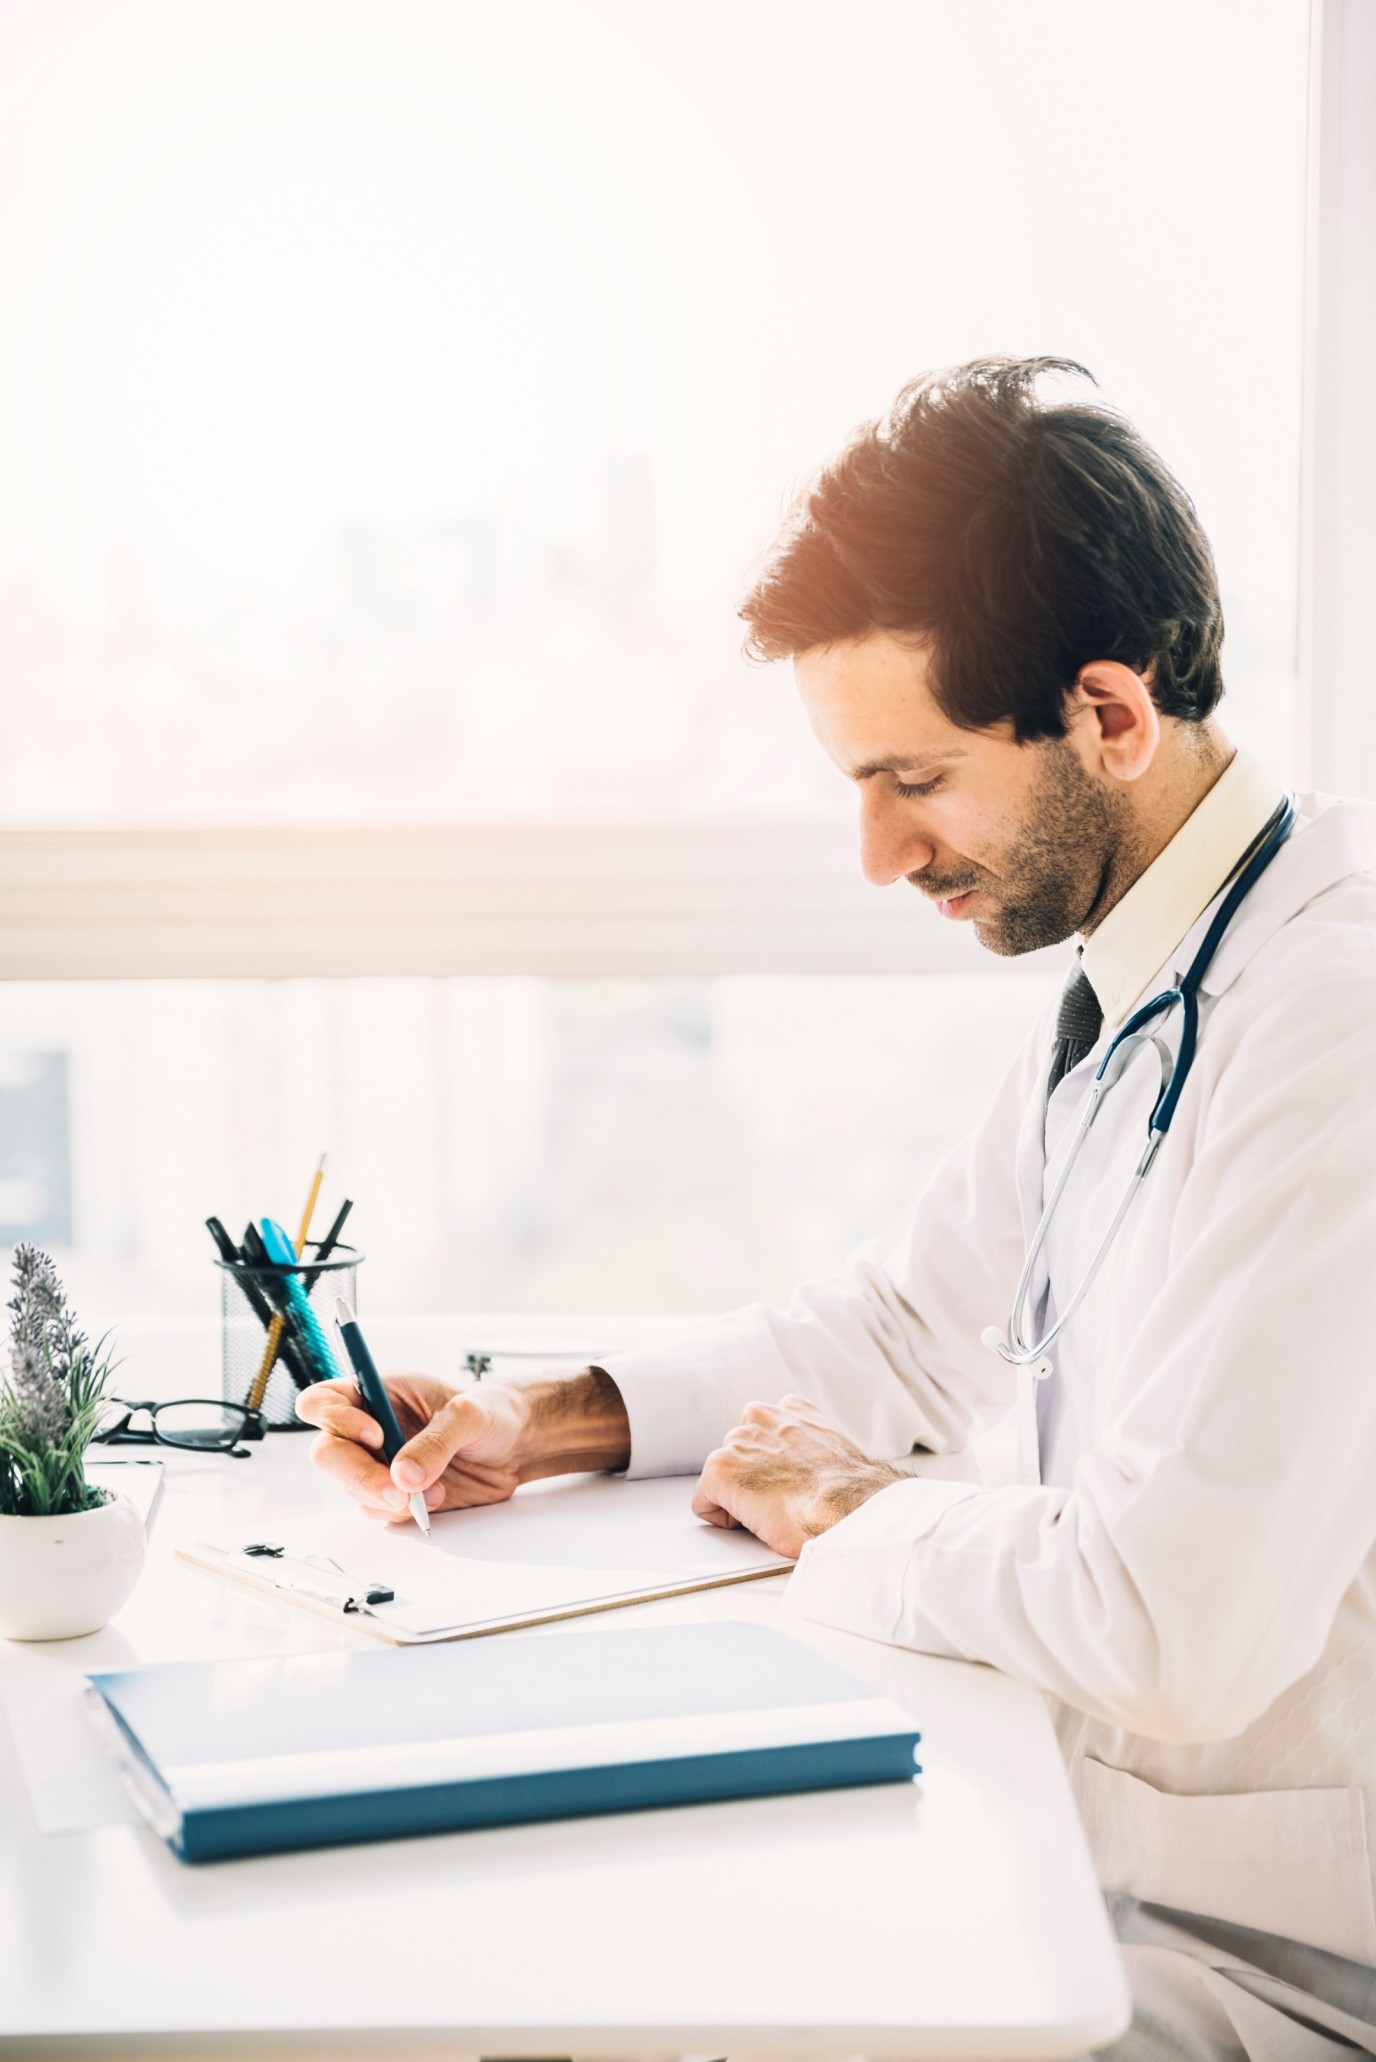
1014	1346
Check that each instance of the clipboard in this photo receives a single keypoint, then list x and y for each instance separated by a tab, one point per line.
137	1476
561	1548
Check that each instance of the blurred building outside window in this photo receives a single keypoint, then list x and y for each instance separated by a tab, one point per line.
516	1144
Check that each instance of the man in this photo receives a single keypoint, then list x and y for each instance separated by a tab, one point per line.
1005	628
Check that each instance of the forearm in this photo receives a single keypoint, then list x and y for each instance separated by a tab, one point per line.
853	1344
577	1425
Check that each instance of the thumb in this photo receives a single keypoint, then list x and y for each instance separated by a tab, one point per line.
464	1424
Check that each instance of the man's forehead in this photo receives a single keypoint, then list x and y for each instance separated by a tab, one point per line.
873	710
878	663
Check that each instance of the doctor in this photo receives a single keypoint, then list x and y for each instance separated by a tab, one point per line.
1005	627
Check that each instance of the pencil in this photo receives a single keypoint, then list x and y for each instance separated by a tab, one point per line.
279	1323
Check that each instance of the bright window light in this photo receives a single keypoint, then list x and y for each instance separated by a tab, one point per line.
393	399
520	1145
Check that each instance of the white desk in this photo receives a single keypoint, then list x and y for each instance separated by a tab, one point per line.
956	1917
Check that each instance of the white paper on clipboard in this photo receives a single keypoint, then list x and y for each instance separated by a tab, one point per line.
558	1549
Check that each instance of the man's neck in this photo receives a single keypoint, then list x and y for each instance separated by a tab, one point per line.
1192	759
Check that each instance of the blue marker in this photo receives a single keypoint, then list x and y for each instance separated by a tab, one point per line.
310	1333
375	1396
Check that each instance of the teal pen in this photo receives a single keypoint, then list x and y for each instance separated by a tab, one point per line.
375	1396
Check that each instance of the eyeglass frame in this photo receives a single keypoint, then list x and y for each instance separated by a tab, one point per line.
254	1425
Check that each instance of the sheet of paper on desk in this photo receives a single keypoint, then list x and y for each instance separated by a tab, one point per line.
140	1479
71	1785
557	1549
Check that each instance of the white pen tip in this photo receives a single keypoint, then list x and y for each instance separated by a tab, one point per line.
420	1511
343	1313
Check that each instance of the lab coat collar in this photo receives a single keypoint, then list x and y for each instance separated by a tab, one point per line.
1183	879
1332	839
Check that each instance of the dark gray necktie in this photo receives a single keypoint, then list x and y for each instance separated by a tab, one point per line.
1079	1021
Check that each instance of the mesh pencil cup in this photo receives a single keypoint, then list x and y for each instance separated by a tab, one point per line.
244	1335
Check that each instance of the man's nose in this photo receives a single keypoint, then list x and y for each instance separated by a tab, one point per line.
892	845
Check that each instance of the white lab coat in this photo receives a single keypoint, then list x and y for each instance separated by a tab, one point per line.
1188	1566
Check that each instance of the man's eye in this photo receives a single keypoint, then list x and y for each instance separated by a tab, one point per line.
921	787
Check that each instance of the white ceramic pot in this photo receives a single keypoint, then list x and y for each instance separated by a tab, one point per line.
61	1577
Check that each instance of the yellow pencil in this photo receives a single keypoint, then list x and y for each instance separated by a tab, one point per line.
279	1323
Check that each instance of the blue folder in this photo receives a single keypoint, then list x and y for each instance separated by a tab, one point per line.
313	1750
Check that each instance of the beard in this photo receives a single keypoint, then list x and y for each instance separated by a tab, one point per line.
1062	869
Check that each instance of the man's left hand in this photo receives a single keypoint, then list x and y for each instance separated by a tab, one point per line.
785	1474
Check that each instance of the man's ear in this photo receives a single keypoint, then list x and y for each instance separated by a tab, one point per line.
1114	723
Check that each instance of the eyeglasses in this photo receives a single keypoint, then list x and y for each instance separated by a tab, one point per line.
205	1424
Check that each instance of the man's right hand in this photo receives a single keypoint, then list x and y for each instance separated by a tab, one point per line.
465	1446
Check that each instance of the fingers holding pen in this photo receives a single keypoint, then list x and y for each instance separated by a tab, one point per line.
424	1458
345	1461
336	1408
464	1446
479	1430
349	1440
368	1481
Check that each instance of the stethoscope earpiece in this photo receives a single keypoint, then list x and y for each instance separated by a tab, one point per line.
993	1338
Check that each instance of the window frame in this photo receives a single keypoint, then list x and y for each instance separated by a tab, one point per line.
697	898
1337	711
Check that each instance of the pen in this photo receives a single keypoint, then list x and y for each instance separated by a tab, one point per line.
327	1246
255	1255
278	1326
297	1317
235	1263
375	1396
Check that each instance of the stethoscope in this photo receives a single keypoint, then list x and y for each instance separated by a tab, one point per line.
1014	1346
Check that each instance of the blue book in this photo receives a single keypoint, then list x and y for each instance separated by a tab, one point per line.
313	1750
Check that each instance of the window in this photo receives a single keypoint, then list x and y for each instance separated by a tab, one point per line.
512	1144
392	402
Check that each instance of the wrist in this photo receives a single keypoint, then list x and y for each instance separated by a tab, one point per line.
573	1425
855	1487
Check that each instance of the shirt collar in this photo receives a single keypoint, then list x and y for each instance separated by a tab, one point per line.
1141	931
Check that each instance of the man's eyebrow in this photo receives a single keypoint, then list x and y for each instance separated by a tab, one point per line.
900	765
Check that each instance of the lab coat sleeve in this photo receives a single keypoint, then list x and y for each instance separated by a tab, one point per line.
1193	1569
889	1347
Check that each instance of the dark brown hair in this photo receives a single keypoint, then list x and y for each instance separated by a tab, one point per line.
1017	540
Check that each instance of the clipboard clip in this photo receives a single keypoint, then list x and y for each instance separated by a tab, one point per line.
355	1598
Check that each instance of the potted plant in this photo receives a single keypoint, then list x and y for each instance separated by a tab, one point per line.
69	1554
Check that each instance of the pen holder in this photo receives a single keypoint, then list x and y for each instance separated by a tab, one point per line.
247	1294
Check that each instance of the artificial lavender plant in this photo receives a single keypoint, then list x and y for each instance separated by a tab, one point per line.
51	1396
